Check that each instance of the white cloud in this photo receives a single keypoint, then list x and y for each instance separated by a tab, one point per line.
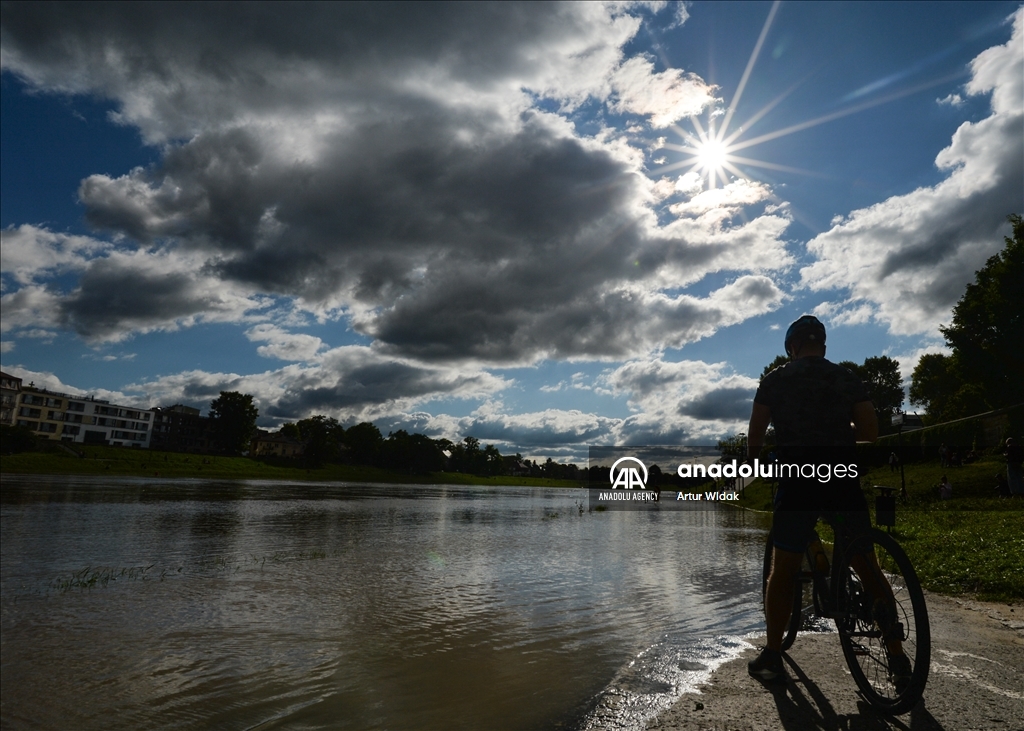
665	97
29	253
953	100
842	313
283	344
49	381
30	306
910	257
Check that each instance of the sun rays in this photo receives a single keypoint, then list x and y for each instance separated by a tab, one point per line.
711	150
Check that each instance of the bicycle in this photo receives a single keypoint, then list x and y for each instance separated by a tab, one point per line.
875	626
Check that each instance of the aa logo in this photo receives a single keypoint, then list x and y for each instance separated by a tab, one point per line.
627	476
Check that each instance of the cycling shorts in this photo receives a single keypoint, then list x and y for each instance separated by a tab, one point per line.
799	503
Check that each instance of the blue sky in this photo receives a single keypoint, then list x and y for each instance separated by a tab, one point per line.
506	221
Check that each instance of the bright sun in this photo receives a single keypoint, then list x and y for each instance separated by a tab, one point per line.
712	151
712	156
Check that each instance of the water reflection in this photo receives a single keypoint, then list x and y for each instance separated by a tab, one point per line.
347	606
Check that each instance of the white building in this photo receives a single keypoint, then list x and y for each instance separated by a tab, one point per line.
82	419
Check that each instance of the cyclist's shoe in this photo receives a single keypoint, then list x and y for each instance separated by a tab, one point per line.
900	672
767	666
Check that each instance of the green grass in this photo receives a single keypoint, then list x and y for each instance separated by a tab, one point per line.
971	545
122	462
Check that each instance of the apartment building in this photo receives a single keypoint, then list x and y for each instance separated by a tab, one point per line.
82	419
10	386
180	428
267	444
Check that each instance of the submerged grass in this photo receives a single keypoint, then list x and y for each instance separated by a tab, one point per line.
971	545
92	577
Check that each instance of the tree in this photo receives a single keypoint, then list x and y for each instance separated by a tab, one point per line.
321	438
364	443
933	383
15	439
493	464
411	453
733	447
987	331
881	375
234	418
780	360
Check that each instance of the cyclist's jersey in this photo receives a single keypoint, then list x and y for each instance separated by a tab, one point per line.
811	402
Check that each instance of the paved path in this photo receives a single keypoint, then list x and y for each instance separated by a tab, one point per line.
976	683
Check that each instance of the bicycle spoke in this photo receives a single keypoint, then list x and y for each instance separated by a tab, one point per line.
884	630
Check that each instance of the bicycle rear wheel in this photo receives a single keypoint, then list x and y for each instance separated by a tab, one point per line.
800	606
876	630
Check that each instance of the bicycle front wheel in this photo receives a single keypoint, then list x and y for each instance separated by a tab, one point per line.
884	626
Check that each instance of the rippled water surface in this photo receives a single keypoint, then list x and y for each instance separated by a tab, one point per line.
169	604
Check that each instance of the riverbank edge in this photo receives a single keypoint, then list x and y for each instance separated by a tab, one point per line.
58	460
965	632
390	478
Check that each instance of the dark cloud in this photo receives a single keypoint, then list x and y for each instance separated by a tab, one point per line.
725	404
387	161
201	62
350	388
503	252
120	294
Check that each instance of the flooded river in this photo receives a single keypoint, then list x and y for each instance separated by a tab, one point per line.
154	604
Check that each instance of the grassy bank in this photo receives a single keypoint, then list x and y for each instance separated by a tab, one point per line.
114	461
971	545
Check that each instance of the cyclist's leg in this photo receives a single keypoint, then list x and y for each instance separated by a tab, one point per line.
792	528
850	524
778	597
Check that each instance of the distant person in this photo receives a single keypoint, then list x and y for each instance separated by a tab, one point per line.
1014	454
945	489
1002	486
894	462
944	456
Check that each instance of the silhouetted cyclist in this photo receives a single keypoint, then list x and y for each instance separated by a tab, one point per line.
820	410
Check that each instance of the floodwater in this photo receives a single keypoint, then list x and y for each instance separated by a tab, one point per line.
154	604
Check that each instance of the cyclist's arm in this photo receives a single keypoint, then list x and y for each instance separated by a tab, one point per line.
865	421
760	418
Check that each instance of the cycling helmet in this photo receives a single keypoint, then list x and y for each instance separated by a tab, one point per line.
807	329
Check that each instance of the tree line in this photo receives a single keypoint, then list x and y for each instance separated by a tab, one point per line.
325	440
